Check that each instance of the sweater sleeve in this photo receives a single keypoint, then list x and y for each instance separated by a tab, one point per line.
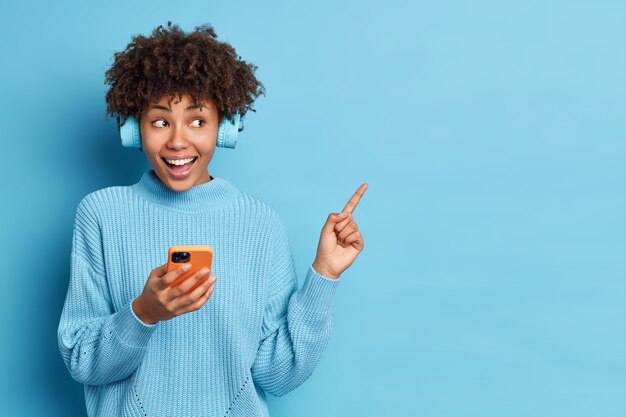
296	323
97	344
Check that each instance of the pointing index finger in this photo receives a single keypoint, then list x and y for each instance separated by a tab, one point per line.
351	205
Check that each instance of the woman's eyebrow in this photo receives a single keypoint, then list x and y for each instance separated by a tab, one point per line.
161	107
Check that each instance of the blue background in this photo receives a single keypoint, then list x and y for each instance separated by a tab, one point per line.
491	135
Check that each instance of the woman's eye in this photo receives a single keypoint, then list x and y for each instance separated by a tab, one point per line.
165	123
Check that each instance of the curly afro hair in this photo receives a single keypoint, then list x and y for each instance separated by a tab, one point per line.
172	62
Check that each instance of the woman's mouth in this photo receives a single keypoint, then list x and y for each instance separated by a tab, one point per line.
181	169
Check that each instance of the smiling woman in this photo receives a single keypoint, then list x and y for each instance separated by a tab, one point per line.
121	332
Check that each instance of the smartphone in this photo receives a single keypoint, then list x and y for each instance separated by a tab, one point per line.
198	256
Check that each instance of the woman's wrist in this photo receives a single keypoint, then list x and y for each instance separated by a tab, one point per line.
139	312
324	271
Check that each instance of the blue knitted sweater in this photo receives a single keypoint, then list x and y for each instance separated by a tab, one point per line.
257	334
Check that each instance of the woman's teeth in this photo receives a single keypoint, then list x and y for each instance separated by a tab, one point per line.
179	161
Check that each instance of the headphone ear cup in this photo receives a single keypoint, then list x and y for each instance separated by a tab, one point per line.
228	131
130	133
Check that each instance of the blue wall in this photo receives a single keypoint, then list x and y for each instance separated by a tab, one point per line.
492	138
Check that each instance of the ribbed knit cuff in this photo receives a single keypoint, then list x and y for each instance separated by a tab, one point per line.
317	292
130	329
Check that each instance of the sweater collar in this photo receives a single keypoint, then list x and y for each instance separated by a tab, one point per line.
211	194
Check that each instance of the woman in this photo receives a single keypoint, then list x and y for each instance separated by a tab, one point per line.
144	349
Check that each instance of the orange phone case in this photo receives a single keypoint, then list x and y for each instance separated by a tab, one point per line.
199	257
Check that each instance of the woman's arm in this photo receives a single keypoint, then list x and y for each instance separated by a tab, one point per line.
296	323
98	345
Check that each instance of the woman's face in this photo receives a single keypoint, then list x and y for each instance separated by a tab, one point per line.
180	133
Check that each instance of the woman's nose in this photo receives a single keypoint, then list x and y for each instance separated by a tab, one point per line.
177	139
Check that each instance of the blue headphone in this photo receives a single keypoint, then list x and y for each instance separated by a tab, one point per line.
226	133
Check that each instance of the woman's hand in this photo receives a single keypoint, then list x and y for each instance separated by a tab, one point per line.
159	302
340	241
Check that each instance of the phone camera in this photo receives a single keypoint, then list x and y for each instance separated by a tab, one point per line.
180	257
